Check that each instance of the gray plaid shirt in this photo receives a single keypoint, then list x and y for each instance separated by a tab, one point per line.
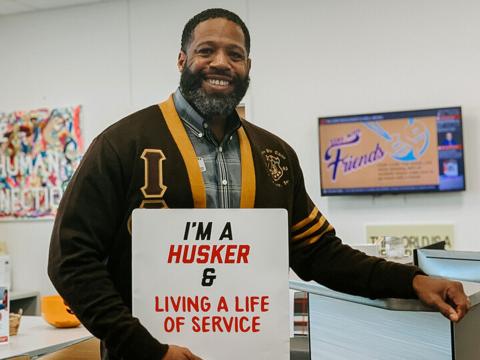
219	162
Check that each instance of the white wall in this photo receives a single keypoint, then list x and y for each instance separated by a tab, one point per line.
348	57
310	59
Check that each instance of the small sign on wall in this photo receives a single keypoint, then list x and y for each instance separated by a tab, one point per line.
413	235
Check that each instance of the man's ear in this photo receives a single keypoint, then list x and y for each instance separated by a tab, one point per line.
182	60
249	63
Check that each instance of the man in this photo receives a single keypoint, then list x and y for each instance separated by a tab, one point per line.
194	151
448	139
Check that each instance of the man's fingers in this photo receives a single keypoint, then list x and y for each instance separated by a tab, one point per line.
180	353
446	296
192	356
447	311
457	297
189	355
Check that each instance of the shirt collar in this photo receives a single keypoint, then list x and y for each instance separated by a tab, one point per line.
192	118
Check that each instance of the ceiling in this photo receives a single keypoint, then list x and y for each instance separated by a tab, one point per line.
8	7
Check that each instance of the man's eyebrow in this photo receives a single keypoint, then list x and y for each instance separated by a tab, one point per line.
206	42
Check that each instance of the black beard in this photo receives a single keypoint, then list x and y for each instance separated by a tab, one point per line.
210	105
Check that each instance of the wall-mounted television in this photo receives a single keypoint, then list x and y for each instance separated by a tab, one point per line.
392	152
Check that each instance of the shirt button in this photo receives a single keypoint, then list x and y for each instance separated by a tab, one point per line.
200	135
205	125
224	182
220	149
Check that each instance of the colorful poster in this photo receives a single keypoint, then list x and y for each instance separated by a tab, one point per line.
39	151
213	280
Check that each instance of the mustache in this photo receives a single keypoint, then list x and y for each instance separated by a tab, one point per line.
194	81
223	72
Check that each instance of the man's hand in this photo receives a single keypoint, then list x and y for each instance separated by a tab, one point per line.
179	353
444	295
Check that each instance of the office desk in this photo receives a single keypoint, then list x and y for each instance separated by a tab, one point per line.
36	337
344	326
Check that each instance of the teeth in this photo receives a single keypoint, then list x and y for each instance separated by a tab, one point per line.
218	82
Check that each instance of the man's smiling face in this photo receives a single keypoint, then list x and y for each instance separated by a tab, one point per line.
215	67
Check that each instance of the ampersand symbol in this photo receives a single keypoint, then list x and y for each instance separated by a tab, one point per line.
208	277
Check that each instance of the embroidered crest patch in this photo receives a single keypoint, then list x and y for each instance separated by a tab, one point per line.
276	168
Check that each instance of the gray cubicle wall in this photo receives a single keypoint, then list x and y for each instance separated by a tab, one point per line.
344	326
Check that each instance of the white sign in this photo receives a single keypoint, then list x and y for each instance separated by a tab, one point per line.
213	280
413	236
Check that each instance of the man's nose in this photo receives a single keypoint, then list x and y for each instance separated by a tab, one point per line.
220	60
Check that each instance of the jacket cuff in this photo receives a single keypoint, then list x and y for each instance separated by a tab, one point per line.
391	279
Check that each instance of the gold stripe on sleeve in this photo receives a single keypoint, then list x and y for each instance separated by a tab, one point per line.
317	237
310	230
247	196
185	147
305	221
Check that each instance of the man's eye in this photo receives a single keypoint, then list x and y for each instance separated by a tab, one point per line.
205	51
236	56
